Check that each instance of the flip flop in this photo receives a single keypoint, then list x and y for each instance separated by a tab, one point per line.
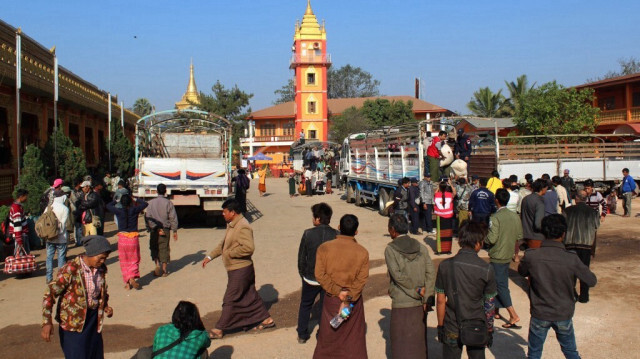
214	336
511	326
263	326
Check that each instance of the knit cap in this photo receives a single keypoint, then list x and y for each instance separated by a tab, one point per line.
95	245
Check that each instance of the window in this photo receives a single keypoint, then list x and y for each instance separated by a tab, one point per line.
312	134
635	99
268	130
609	103
311	107
311	79
288	128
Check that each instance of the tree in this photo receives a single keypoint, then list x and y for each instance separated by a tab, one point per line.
286	93
350	121
382	112
122	151
232	104
142	107
517	90
61	159
554	109
345	82
32	178
627	67
485	103
349	82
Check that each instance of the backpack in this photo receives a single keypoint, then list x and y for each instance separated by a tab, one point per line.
47	225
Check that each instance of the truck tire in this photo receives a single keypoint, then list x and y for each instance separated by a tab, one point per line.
359	201
383	198
350	195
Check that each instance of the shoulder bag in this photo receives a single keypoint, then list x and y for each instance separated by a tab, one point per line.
148	353
472	332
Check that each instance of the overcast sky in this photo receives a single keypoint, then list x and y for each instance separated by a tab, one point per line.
143	48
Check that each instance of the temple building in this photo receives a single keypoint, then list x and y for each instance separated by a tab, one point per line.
83	108
274	129
192	96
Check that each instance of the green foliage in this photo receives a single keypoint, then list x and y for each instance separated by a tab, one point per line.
349	81
142	107
32	178
382	112
486	103
350	121
232	104
554	109
517	90
60	153
122	151
286	93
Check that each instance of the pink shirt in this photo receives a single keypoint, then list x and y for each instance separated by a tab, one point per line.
93	279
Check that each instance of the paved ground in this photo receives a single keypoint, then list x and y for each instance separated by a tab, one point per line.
605	327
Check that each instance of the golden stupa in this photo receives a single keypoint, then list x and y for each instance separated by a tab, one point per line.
191	96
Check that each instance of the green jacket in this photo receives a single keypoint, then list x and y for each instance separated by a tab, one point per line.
505	228
409	267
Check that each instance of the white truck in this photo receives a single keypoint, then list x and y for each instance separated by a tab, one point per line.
191	159
598	157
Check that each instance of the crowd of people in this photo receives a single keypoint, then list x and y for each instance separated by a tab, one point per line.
555	221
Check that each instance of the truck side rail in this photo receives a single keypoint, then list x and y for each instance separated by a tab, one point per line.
537	152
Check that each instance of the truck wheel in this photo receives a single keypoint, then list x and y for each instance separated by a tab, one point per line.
350	195
383	198
358	198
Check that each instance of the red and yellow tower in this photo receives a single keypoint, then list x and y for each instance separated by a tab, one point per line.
310	62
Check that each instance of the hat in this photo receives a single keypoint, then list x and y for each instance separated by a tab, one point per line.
66	189
57	182
566	170
414	180
460	131
523	182
85	184
95	245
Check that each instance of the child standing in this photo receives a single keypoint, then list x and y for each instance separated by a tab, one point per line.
292	185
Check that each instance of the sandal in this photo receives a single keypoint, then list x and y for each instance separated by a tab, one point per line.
213	335
263	326
511	326
157	272
134	284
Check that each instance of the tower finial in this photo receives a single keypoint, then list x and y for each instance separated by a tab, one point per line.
309	11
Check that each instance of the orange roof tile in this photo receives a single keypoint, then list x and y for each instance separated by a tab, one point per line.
338	105
612	81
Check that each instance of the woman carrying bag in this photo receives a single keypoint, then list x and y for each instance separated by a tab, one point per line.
81	289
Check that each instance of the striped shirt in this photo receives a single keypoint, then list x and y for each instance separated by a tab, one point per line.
596	200
93	280
17	222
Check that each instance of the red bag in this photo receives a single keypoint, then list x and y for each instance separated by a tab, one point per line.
21	263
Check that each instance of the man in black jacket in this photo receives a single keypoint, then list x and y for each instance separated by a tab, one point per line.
312	239
552	271
86	208
414	208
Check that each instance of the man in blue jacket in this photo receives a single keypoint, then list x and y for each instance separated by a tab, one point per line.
482	203
627	188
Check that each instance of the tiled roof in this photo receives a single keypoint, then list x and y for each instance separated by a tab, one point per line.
487	123
612	81
338	105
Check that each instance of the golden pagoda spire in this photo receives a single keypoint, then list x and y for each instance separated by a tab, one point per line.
309	11
192	95
191	88
309	28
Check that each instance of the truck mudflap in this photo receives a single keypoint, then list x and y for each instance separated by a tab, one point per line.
185	200
212	205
